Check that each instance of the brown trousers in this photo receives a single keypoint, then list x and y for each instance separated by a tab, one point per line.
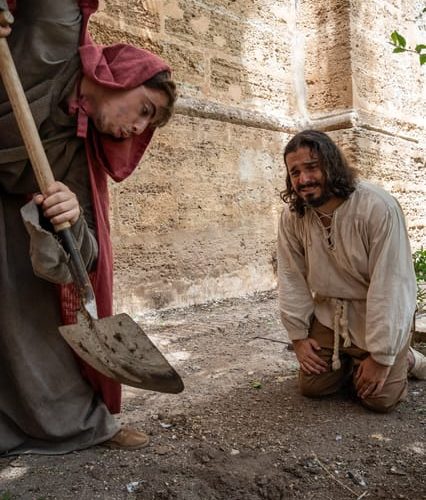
324	384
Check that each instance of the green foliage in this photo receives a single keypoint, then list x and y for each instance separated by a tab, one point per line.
419	260
399	41
256	384
5	495
400	44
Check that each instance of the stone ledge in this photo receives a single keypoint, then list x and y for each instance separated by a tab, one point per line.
419	333
346	119
201	108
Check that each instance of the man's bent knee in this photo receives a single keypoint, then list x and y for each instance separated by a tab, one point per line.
316	386
387	401
379	405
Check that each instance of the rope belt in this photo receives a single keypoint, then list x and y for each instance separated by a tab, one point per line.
340	330
340	326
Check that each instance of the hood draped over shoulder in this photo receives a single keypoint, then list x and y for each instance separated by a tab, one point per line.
121	67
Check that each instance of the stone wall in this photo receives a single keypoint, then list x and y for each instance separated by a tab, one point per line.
389	97
197	221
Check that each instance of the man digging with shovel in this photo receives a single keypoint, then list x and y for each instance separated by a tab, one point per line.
95	109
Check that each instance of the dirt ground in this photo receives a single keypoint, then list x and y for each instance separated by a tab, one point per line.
239	431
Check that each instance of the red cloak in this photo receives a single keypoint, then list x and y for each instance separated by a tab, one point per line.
121	67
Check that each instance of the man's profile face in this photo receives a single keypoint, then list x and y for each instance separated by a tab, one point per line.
125	113
307	177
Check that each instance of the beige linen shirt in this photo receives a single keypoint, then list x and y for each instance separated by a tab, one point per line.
366	261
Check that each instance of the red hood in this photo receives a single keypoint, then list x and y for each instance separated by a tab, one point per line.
12	5
117	66
120	66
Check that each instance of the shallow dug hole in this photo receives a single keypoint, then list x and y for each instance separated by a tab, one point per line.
240	430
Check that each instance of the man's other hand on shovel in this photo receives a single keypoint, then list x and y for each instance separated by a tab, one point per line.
59	204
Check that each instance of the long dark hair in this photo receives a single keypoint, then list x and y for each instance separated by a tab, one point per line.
162	81
340	177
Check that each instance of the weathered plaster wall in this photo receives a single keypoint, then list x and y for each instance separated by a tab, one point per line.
197	221
389	97
389	89
354	81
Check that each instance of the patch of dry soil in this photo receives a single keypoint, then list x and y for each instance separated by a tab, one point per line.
240	430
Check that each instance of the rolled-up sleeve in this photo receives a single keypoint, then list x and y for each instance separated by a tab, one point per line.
48	258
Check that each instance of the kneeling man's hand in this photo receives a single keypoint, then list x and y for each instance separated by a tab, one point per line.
309	361
370	378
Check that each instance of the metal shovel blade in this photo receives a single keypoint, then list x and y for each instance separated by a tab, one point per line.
118	347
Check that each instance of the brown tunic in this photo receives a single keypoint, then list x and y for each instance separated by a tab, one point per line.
45	404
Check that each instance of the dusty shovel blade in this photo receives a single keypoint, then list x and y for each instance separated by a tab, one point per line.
118	347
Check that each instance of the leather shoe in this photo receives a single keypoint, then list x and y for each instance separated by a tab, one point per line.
127	439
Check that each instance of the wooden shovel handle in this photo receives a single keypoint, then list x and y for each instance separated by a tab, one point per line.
26	124
42	170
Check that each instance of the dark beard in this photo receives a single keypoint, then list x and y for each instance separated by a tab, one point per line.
315	202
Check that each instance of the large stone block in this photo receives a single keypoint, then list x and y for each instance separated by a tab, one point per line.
207	28
388	88
327	51
399	166
127	16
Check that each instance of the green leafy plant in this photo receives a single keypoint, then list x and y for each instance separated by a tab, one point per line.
400	44
256	384
419	261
